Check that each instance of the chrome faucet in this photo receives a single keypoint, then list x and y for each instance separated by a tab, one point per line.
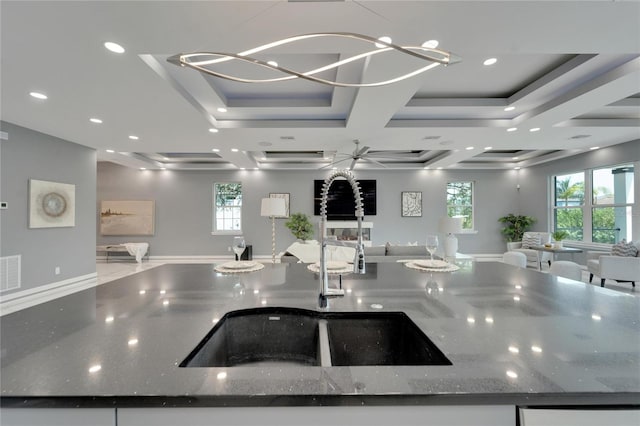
358	261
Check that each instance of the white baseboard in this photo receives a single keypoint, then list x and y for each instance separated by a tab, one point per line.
191	259
487	257
26	298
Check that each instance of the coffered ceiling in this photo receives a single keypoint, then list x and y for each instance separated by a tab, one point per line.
570	69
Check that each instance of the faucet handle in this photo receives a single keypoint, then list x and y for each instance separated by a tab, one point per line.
359	262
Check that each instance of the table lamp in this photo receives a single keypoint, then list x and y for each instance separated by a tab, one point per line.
273	207
450	226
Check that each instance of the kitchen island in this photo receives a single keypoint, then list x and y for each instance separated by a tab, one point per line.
515	337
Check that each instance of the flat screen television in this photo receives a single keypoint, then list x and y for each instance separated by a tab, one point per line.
341	205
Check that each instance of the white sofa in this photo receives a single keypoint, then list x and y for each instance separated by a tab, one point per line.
534	257
619	268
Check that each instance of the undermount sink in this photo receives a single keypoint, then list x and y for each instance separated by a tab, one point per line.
291	336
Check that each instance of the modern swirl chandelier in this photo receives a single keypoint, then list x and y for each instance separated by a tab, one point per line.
206	61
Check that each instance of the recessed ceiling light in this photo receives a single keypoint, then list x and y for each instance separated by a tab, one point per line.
438	168
510	108
213	130
487	148
384	39
215	150
163	168
133	137
243	168
431	44
166	158
469	148
222	109
535	129
114	47
514	158
512	129
490	61
234	149
272	63
516	168
594	147
38	95
95	120
143	168
110	151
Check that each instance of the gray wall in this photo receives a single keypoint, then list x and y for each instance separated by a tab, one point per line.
183	206
27	154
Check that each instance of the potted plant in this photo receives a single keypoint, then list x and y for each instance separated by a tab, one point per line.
558	236
515	226
300	226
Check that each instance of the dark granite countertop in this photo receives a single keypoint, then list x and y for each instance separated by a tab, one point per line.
514	336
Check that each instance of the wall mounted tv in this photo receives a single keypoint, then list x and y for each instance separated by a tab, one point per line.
341	205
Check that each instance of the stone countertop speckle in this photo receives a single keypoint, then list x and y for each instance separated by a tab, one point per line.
514	336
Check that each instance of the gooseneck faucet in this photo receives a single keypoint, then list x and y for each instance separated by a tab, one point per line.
358	261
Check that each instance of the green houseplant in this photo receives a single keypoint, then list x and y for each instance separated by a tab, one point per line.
515	226
558	236
300	226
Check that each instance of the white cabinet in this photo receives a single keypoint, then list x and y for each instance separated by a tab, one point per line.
58	417
579	417
321	416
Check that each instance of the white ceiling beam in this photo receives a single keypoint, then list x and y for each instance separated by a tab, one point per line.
368	113
270	124
618	83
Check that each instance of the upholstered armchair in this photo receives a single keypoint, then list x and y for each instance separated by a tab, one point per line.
614	267
530	239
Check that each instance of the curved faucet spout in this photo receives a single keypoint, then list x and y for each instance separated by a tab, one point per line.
358	261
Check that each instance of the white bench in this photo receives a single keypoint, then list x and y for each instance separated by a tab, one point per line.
119	250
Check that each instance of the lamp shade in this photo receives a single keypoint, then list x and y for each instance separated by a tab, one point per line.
273	207
450	225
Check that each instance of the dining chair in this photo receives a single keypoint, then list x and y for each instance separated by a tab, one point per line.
515	258
566	269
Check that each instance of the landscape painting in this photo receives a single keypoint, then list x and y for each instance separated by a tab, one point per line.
127	217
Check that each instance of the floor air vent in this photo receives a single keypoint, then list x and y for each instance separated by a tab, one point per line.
9	273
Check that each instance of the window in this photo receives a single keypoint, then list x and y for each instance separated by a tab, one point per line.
568	203
603	217
611	204
460	202
227	209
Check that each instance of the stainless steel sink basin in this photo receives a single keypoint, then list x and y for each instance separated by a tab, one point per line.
291	336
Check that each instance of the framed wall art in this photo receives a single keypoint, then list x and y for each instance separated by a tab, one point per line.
411	204
51	204
127	217
285	196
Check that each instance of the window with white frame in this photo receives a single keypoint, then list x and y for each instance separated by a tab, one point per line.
602	217
460	202
612	202
227	208
568	205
